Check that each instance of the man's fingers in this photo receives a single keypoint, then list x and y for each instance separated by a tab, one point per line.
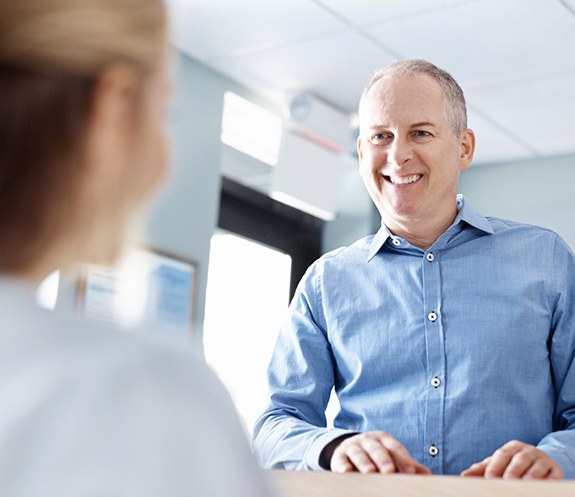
500	460
374	452
361	457
352	456
341	464
528	460
517	460
380	455
477	469
544	468
539	470
401	458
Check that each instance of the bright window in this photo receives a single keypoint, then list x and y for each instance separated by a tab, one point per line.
246	301
251	129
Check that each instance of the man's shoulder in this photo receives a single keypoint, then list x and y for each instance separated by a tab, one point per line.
521	236
511	227
500	224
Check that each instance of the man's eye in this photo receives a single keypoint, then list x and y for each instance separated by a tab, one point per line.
422	134
378	138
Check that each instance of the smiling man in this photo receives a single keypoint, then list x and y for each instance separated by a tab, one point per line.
449	337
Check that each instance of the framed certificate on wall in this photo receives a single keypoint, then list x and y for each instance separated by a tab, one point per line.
148	288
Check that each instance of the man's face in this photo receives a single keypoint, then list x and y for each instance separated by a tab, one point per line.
410	158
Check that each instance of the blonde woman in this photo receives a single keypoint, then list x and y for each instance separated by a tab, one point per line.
87	410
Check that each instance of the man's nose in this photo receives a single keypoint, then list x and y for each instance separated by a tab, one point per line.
399	152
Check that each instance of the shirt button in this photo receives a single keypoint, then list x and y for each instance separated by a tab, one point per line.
435	382
432	316
430	257
396	242
433	451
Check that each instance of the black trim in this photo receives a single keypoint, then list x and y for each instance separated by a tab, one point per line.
254	215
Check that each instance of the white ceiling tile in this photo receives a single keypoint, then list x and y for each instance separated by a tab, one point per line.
365	12
540	111
335	67
488	41
222	28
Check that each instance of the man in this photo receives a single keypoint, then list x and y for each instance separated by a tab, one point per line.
449	338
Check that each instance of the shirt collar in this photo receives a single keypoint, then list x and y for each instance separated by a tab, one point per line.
471	216
466	213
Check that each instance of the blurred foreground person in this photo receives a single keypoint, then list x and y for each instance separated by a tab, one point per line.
87	410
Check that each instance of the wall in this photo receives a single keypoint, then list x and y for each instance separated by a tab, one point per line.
185	216
539	191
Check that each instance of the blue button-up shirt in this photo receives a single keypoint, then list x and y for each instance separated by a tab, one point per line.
455	350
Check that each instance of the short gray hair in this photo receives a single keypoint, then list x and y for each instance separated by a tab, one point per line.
455	107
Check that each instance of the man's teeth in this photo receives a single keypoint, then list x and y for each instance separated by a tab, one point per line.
404	180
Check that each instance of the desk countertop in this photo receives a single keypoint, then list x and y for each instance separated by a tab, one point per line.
326	484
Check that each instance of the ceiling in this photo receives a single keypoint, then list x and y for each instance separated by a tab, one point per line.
514	58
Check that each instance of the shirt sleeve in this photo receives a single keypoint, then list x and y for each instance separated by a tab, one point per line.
292	432
560	444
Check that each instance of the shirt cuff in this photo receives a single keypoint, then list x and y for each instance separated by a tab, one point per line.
312	457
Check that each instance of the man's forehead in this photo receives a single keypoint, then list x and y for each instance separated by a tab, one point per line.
417	98
393	86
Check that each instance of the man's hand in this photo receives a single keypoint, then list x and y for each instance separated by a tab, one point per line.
517	460
373	452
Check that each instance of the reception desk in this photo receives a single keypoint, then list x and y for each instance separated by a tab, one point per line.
325	484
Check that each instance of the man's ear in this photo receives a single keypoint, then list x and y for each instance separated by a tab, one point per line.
467	143
359	151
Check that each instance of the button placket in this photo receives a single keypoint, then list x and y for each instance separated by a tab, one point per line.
435	353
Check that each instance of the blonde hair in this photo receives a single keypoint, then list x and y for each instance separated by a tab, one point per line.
52	53
80	36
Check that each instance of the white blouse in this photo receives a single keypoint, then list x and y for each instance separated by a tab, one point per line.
87	410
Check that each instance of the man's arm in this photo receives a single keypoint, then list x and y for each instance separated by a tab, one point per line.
292	431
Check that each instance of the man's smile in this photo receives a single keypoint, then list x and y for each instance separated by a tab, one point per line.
403	180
